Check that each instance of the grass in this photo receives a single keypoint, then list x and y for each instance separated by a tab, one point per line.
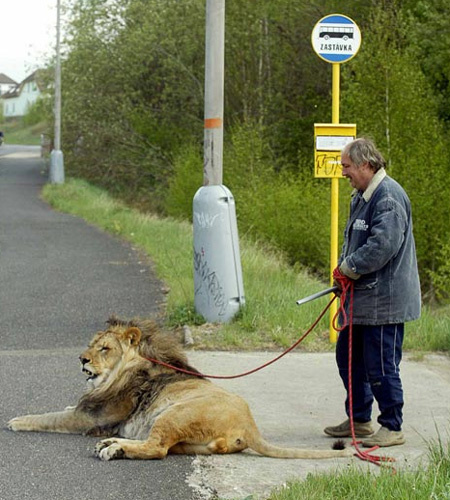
431	332
16	133
431	482
270	318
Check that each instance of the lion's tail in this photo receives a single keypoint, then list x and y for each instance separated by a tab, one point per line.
261	446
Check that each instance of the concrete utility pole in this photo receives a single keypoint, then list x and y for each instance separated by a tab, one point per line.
214	84
56	156
219	290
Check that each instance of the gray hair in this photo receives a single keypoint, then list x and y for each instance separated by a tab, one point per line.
362	151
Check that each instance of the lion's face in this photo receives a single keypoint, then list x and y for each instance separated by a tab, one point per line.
106	350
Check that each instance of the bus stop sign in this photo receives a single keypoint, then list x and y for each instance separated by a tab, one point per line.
336	38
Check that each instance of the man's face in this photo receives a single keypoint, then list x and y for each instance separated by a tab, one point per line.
359	177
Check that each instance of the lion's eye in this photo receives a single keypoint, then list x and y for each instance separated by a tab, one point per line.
104	349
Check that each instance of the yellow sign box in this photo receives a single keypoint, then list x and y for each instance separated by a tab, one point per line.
329	139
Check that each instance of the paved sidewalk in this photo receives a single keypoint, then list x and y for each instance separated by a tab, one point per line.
294	399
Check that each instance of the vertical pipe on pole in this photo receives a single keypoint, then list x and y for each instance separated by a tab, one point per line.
56	157
336	89
58	80
214	85
334	237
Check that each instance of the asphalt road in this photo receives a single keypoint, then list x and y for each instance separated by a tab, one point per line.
60	281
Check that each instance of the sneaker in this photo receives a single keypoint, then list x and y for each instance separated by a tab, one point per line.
362	429
384	437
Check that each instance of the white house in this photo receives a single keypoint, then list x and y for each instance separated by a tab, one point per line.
17	101
6	83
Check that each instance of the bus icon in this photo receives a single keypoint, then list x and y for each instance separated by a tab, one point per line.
328	32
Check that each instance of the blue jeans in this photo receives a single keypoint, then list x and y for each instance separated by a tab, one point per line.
376	356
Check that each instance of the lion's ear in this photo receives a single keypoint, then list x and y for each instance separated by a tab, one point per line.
133	335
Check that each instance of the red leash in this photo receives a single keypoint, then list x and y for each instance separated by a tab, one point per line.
346	285
289	349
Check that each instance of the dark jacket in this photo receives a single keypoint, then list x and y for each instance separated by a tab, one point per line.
379	254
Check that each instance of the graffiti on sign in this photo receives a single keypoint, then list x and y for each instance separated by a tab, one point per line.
328	164
210	280
205	220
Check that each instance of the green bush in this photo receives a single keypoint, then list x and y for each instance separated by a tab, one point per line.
440	277
184	183
37	112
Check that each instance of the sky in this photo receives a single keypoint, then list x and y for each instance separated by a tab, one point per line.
27	36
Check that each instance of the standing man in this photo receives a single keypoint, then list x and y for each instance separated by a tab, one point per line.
379	255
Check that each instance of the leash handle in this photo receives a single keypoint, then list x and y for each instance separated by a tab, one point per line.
345	284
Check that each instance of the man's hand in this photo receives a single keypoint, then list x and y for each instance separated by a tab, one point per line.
337	283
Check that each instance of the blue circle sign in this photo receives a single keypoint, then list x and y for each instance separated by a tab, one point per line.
336	38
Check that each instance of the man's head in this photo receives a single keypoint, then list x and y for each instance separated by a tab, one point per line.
360	161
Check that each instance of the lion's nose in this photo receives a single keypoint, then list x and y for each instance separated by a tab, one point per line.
84	360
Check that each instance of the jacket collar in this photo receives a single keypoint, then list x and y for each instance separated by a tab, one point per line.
374	183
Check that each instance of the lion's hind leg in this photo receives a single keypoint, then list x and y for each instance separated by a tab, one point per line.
116	448
159	444
218	445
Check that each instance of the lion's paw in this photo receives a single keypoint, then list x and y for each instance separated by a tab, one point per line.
19	424
109	449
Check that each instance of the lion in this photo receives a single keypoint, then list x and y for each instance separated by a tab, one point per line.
144	410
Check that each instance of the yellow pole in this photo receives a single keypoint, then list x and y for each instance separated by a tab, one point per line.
334	197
